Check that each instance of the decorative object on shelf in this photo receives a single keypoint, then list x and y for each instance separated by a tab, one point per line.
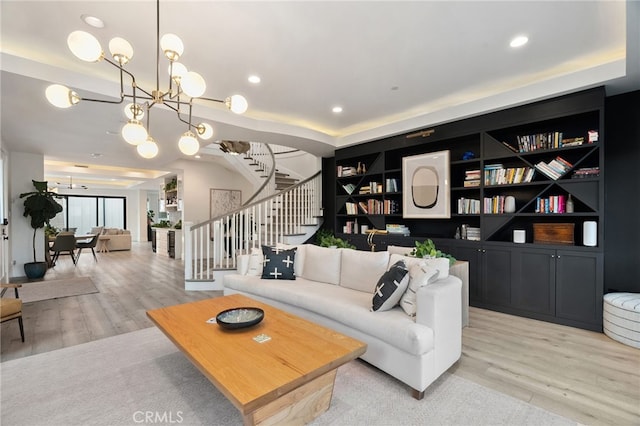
519	236
469	155
590	233
232	319
182	84
40	205
222	201
569	205
426	186
553	233
509	204
427	249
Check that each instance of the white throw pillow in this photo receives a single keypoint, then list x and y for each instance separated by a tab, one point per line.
420	275
322	264
256	262
441	264
409	261
390	287
399	250
361	270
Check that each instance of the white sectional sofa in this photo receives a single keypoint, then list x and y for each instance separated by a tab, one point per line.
335	288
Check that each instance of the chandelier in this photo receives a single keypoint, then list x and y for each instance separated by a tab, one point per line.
183	88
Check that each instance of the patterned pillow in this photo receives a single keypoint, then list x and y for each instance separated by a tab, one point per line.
421	275
391	285
278	263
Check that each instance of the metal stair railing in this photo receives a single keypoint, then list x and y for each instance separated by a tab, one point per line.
214	245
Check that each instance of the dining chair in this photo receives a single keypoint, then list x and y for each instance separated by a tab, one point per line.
64	243
11	308
91	244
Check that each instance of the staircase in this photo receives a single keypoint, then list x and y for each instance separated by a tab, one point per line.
287	212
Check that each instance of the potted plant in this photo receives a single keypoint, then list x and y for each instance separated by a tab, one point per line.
40	205
428	249
325	238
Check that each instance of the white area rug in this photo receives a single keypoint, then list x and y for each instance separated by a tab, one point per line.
55	289
123	379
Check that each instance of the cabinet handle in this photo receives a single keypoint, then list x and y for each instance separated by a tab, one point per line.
484	251
553	256
558	256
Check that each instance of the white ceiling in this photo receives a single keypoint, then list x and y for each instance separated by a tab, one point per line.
393	66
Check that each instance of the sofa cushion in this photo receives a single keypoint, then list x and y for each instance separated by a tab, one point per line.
322	264
420	275
390	288
349	307
360	270
278	263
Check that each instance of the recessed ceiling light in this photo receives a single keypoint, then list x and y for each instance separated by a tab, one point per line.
96	154
197	156
112	133
92	21
254	79
337	109
519	41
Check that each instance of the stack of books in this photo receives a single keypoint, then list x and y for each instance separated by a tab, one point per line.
473	234
555	169
391	207
345	171
586	172
398	229
349	188
471	178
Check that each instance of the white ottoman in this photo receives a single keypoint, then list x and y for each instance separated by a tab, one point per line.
621	317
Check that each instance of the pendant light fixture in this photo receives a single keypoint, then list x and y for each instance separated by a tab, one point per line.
183	88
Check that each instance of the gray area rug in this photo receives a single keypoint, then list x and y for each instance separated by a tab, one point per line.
55	289
120	380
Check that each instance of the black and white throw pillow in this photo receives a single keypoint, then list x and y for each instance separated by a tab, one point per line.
278	263
391	286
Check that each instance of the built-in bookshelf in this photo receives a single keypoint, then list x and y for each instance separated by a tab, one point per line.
512	170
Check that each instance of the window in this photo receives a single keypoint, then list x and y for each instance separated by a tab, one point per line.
85	212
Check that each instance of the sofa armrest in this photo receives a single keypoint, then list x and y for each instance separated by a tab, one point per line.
439	306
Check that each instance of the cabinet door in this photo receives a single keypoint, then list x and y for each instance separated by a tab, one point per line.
533	285
471	255
579	286
496	275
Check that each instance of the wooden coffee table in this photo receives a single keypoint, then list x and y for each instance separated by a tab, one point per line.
287	379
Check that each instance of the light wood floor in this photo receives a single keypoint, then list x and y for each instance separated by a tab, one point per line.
579	374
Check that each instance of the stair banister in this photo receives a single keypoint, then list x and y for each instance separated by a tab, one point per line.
213	245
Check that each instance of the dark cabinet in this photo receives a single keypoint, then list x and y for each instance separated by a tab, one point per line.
533	286
579	287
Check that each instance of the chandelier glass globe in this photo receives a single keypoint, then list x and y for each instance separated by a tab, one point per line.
177	71
85	46
172	46
188	144
121	50
237	104
193	84
148	148
134	132
61	96
205	131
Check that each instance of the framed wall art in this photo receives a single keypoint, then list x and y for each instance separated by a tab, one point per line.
425	186
223	201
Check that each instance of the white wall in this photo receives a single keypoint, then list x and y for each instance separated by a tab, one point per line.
23	167
300	165
199	178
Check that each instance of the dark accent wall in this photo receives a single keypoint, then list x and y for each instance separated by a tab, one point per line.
622	193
